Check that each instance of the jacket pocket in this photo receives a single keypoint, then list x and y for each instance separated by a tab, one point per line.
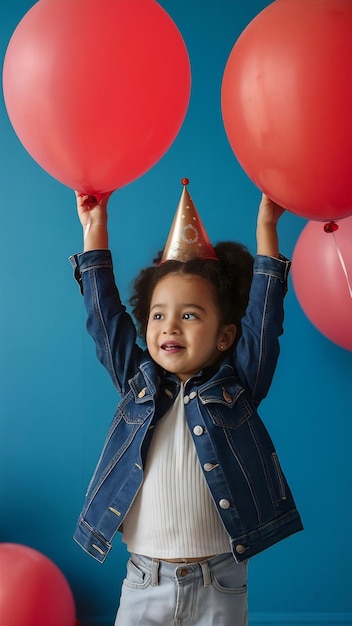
133	413
279	476
227	405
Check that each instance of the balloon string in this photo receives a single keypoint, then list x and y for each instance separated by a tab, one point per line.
343	265
88	224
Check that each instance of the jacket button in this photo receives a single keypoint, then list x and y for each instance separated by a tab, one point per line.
240	549
226	396
224	504
198	430
186	400
142	392
208	467
192	395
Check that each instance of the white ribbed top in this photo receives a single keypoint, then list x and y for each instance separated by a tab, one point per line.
173	515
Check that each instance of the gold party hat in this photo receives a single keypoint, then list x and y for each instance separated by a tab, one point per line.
187	237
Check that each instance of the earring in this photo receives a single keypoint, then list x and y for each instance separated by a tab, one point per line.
221	347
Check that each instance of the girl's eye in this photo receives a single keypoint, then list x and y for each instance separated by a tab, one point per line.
157	316
189	316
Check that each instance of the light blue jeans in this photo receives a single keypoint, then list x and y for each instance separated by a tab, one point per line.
207	593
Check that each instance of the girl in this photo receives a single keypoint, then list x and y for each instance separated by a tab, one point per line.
188	472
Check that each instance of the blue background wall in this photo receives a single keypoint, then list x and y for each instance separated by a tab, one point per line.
56	400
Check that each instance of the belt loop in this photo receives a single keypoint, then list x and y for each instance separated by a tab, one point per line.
206	573
155	572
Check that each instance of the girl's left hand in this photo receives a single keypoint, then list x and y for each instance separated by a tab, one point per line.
269	212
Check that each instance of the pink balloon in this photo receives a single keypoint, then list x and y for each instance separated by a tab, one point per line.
33	591
96	90
322	278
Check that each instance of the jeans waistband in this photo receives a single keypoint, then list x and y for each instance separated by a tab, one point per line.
202	568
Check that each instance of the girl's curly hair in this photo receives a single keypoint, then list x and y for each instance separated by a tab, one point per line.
231	277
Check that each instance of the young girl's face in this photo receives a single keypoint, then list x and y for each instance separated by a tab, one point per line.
184	331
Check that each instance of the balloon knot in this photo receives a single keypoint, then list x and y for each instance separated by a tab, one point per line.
90	201
184	181
330	227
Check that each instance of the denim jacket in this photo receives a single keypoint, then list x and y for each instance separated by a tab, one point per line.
239	461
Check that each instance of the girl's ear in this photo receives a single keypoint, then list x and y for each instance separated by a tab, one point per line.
227	337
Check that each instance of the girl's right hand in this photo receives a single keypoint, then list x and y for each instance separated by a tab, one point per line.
92	213
92	209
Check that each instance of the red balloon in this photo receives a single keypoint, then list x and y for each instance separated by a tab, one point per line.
96	90
322	278
287	105
33	591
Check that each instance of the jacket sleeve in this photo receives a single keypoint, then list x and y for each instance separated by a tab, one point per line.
258	348
108	322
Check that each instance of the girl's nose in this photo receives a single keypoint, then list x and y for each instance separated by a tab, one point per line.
171	327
